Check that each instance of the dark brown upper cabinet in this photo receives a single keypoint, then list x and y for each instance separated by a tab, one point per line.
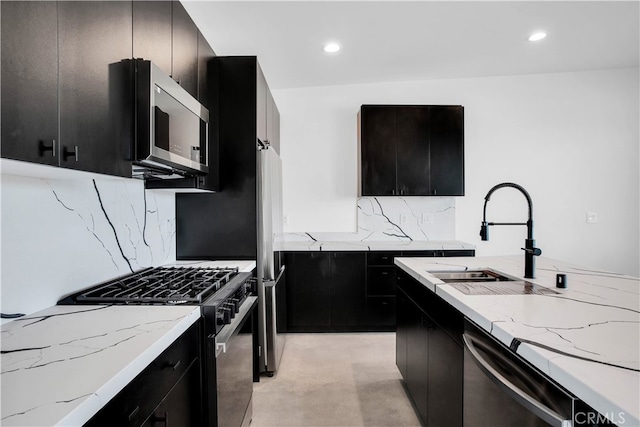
94	86
152	32
411	150
30	81
184	36
164	33
62	87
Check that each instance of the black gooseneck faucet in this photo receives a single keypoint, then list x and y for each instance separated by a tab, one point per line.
529	246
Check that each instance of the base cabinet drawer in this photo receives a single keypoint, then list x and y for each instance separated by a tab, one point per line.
381	281
173	377
381	313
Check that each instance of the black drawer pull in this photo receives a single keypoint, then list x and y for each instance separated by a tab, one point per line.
164	419
173	366
384	273
134	413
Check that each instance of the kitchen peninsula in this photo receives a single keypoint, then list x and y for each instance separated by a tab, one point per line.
585	337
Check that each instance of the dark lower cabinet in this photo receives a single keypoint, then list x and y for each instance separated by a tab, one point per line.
177	407
348	307
169	389
325	291
345	291
429	353
308	276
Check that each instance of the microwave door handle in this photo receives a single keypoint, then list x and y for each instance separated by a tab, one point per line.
537	408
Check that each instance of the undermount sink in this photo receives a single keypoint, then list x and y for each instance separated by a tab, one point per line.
488	282
470	276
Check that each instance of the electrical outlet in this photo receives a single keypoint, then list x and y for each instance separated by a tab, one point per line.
285	219
592	217
427	218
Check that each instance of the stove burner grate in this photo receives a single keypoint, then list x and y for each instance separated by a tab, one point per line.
164	285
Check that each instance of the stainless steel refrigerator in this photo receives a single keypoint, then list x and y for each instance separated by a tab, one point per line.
269	268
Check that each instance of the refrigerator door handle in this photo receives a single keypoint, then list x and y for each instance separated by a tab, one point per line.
272	283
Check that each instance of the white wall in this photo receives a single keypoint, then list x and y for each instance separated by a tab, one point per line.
571	139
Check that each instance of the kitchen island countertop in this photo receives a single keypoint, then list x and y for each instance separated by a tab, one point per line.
586	337
61	365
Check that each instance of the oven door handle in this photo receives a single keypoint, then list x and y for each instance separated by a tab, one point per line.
229	331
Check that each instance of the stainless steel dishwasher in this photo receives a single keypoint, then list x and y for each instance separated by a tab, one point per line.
502	390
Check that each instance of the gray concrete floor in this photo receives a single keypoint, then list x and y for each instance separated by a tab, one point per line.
344	380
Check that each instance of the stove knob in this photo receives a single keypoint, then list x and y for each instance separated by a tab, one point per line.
230	308
235	303
224	316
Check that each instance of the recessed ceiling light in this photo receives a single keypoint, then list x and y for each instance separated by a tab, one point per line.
537	36
331	47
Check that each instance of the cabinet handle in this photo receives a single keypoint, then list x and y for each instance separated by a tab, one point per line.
173	366
67	153
385	273
435	192
134	413
164	419
393	192
42	148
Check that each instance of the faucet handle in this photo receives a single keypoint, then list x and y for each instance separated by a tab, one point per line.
533	251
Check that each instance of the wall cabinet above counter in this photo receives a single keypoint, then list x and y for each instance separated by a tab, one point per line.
66	93
411	150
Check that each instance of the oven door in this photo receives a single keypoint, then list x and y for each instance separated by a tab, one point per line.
233	356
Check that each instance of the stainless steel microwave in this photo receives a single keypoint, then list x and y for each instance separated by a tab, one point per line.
171	127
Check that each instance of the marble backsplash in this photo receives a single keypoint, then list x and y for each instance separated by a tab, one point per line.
59	236
403	219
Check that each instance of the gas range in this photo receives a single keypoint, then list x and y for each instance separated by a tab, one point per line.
162	285
220	291
227	306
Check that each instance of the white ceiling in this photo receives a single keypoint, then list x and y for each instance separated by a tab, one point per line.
418	40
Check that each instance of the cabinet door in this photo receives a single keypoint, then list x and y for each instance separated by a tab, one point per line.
378	150
29	81
417	359
273	122
261	105
182	404
447	150
95	129
152	32
348	303
205	54
309	289
445	369
403	325
184	67
412	127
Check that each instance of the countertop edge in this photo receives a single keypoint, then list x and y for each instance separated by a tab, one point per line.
547	362
92	405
